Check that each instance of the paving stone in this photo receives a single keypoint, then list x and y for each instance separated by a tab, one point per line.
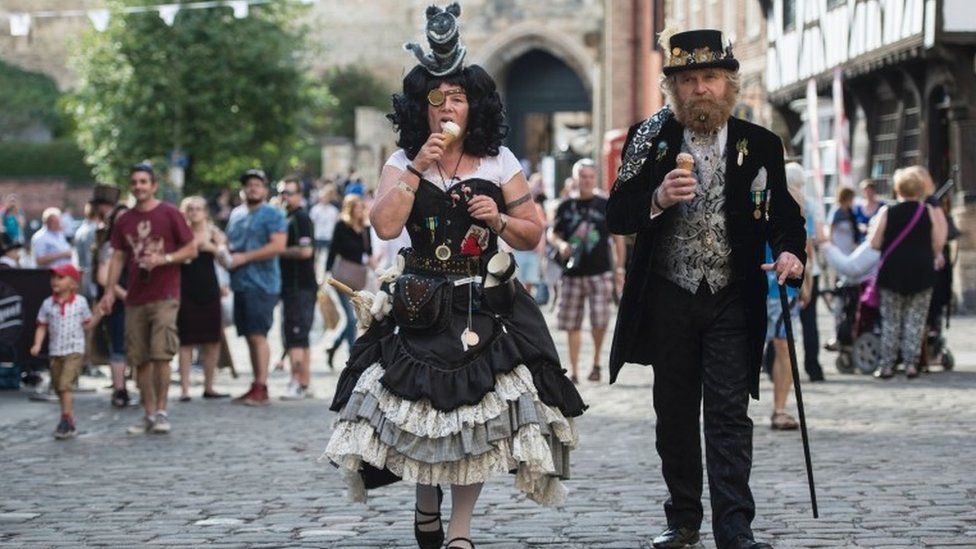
891	463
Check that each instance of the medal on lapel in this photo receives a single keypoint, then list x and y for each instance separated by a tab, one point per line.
757	198
431	223
743	147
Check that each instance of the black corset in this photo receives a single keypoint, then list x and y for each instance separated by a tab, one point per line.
440	219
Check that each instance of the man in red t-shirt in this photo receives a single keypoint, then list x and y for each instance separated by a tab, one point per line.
151	240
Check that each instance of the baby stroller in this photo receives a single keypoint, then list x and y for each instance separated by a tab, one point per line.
935	350
858	330
858	327
842	302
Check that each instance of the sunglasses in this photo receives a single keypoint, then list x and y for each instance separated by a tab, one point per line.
437	97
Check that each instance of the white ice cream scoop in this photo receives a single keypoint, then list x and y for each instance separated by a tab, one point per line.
451	131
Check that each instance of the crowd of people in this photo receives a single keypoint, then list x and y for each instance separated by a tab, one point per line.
142	281
280	249
451	373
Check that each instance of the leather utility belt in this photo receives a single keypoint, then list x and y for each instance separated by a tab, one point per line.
453	266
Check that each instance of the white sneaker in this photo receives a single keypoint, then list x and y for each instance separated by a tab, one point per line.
141	428
161	426
294	391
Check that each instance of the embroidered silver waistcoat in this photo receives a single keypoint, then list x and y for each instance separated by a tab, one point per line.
694	245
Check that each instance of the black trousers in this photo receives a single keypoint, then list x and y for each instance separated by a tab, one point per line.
700	358
811	337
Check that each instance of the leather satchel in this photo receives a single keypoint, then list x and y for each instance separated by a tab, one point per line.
422	303
350	273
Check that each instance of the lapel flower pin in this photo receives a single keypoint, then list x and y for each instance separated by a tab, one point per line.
743	147
662	150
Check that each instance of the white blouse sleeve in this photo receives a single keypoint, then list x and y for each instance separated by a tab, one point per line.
398	160
508	165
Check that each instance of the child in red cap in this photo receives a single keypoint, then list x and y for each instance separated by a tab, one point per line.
65	317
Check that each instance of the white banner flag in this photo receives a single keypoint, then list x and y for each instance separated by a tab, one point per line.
841	132
813	137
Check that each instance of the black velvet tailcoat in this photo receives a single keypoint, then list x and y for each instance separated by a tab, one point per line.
779	223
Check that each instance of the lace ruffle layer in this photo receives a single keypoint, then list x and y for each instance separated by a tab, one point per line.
510	431
413	377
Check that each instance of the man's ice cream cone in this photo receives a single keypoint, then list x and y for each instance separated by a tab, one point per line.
451	131
685	161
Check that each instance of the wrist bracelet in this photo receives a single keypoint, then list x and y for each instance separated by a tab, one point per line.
405	187
655	201
503	223
414	171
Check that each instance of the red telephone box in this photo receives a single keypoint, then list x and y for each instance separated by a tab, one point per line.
613	146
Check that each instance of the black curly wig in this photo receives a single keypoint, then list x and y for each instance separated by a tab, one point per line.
486	115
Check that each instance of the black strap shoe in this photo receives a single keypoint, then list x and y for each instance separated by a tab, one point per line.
430	539
676	538
450	544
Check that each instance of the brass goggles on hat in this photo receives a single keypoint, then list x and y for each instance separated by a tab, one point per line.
437	97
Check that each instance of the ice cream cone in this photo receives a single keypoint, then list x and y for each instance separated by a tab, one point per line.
451	132
685	161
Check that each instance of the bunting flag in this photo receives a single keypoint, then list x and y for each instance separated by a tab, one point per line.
813	136
99	19
167	12
22	22
841	131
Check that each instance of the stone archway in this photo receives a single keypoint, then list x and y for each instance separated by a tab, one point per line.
505	47
548	84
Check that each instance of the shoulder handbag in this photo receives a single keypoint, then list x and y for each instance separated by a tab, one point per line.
871	297
350	273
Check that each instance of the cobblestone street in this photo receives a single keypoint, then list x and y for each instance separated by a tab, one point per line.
894	464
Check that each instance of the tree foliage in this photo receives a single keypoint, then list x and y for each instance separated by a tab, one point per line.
230	93
27	98
352	87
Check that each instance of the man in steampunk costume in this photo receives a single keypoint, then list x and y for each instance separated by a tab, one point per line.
704	193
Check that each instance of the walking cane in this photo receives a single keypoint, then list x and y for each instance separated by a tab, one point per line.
799	396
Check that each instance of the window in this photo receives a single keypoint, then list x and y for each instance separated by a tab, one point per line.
711	14
885	142
729	20
789	15
753	19
910	132
678	12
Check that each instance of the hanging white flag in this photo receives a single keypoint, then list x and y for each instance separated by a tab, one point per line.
167	12
841	132
20	24
240	8
813	136
99	19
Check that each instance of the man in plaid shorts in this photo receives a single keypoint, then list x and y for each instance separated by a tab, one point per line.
580	234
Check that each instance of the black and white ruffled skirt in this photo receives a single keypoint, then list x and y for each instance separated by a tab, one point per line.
422	408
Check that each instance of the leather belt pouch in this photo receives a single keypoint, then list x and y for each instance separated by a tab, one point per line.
422	303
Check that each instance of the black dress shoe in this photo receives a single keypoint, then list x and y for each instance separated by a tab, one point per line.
748	543
676	538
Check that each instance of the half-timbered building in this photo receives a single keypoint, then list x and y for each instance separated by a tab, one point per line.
909	91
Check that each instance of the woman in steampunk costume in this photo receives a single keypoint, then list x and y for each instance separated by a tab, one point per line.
461	380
